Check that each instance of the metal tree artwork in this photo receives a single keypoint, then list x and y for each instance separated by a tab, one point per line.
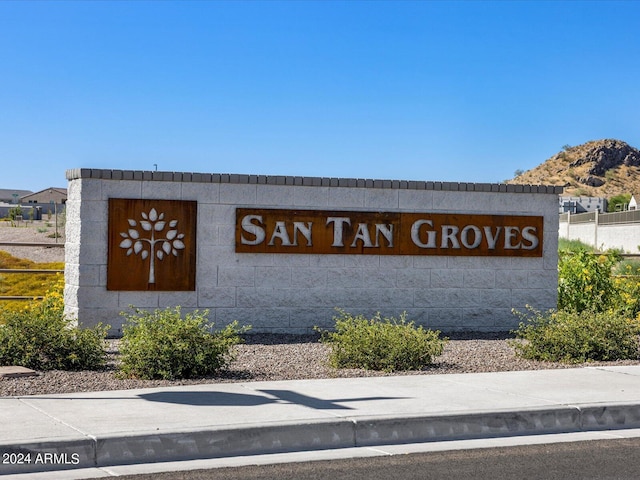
154	223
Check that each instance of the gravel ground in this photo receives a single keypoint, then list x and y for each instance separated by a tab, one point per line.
288	357
33	232
261	357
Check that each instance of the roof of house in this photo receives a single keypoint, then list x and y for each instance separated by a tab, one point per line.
7	193
60	190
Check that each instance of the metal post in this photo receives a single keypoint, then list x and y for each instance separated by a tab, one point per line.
595	231
55	212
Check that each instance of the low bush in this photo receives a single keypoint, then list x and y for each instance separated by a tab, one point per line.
572	337
162	344
381	344
40	337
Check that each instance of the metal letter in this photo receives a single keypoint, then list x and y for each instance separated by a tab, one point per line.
338	222
304	229
491	239
530	235
415	234
509	234
386	231
477	238
253	229
449	233
362	234
280	232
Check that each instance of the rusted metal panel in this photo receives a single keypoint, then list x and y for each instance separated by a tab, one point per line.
152	245
387	233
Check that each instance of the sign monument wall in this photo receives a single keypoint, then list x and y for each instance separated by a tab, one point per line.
281	253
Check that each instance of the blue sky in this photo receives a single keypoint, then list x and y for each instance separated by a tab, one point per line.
446	91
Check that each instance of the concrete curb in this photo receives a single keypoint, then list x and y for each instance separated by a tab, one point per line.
166	446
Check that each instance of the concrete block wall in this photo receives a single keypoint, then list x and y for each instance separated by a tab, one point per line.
623	236
292	293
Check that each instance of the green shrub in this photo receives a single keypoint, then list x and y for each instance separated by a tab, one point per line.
628	288
40	337
598	282
627	267
381	344
163	344
572	337
585	281
15	212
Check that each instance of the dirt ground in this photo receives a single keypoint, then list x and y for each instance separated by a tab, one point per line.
37	231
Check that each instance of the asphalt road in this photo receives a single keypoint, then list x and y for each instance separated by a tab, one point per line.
598	460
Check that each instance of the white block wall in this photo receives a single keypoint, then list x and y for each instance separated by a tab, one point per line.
293	293
623	236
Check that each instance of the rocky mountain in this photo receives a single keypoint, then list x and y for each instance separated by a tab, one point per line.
601	168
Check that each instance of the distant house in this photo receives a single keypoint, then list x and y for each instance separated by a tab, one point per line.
12	196
582	204
633	203
48	195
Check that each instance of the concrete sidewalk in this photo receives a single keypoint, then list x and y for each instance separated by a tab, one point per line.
101	429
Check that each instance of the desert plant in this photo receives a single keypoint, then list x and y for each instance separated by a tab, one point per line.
381	343
627	283
585	281
15	212
572	337
164	344
42	338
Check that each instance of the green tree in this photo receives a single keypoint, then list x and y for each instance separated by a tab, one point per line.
15	212
613	202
